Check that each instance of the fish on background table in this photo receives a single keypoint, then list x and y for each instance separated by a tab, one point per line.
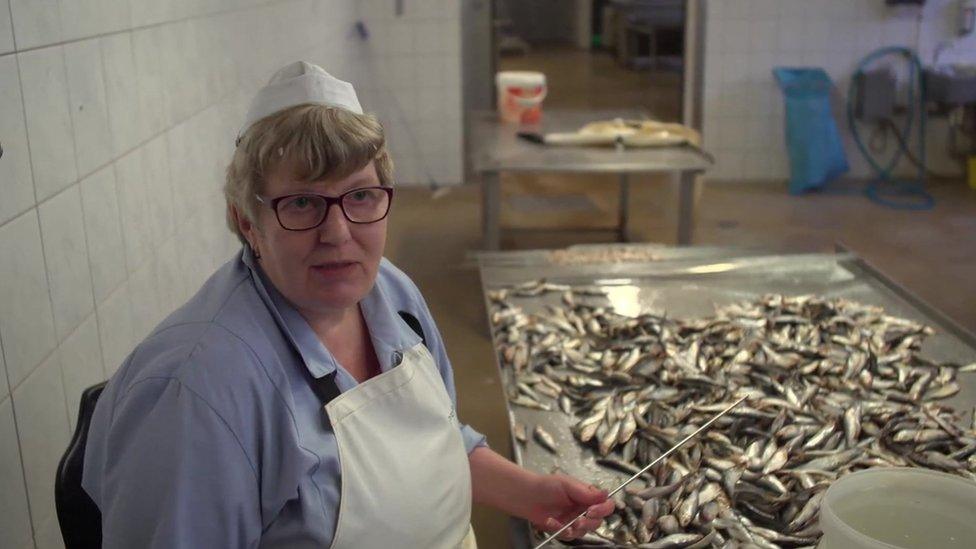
495	148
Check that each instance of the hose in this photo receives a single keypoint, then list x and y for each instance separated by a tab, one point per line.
886	189
889	125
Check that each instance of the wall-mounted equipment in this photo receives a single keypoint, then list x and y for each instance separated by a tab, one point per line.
952	85
889	189
875	96
967	17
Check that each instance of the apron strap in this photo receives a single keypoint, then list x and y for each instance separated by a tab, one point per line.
325	387
414	325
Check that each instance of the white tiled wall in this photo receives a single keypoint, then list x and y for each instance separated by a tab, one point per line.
117	119
41	416
15	170
415	61
66	258
15	526
52	148
745	39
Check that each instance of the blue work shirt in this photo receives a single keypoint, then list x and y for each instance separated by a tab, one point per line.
210	434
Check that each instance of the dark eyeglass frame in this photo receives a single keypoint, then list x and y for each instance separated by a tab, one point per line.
329	201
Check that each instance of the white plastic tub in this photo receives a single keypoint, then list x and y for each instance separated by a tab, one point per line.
520	96
899	508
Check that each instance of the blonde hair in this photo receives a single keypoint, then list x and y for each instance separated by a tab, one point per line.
320	142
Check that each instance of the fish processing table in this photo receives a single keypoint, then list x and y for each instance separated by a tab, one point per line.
495	148
691	282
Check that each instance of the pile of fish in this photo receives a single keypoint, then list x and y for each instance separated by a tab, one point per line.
835	386
602	255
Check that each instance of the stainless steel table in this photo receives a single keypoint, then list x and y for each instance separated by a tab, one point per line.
688	282
495	148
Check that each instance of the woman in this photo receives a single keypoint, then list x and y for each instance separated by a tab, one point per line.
289	403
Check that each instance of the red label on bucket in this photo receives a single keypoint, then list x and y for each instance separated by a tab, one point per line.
528	114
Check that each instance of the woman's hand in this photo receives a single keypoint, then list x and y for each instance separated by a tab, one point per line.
558	499
547	501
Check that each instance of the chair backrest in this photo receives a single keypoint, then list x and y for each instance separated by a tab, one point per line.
79	517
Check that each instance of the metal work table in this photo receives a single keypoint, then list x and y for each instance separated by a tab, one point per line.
691	282
495	148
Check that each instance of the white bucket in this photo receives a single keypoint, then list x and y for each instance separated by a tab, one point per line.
520	95
899	508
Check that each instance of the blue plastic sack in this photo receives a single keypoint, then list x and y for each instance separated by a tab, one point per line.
816	151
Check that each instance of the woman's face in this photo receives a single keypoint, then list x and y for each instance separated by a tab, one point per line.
324	269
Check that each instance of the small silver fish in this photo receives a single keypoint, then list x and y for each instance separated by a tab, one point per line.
777	461
852	424
544	439
544	389
650	511
944	391
628	427
661	491
527	402
688	509
809	510
518	429
832	461
669	524
673	541
565	404
609	439
730	477
619	465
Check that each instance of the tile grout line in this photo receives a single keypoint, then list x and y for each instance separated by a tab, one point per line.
57	347
20	454
141	27
13	31
74	149
111	162
11	388
172	228
110	166
40	231
98	332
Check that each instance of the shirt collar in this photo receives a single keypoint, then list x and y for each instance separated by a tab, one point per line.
390	335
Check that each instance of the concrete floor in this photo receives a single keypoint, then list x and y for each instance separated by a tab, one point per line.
933	253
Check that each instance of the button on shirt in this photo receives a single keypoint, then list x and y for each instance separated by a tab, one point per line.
210	434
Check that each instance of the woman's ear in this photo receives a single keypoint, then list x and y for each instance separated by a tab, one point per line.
244	225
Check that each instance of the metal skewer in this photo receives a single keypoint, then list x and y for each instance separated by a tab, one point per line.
644	470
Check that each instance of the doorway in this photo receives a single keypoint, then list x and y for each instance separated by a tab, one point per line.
598	54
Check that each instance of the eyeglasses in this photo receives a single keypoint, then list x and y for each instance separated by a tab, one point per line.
301	212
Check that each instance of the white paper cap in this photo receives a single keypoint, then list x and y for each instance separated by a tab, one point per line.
297	84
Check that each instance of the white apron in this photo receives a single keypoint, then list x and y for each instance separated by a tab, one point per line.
406	481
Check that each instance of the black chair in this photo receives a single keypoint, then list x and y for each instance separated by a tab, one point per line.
79	517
